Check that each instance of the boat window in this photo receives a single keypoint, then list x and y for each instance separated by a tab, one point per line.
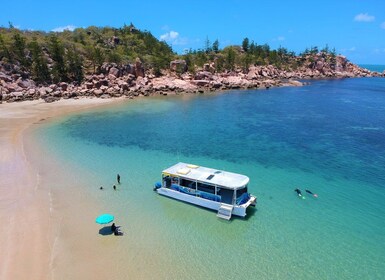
210	177
167	181
242	196
175	180
226	195
241	191
187	183
206	188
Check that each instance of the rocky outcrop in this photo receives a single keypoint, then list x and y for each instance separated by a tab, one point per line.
130	80
139	69
178	66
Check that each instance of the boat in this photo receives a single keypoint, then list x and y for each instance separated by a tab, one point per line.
222	191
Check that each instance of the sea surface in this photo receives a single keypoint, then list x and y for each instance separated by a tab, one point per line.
374	67
328	137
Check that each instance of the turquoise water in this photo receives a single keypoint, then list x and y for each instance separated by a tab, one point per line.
374	67
327	137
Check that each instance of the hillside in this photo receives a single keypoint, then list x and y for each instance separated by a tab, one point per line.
106	61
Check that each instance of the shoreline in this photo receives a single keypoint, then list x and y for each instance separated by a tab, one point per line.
114	81
25	206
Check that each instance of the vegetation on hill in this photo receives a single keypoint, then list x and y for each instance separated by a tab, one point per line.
250	53
67	56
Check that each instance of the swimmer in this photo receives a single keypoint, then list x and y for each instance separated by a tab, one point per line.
299	193
101	188
313	194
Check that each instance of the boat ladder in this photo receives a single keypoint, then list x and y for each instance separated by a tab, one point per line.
225	211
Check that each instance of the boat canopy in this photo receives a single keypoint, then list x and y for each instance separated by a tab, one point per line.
207	175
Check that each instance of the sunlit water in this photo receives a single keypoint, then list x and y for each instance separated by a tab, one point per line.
328	137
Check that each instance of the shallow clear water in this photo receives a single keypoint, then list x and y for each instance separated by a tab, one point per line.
327	137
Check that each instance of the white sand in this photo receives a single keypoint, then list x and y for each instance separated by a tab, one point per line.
26	233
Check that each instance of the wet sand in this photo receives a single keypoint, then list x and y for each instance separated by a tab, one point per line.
28	231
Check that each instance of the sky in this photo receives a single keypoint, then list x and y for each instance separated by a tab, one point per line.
355	28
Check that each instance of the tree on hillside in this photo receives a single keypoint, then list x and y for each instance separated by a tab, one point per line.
4	51
57	51
96	56
74	64
252	47
18	49
216	46
229	58
245	44
246	61
207	45
39	68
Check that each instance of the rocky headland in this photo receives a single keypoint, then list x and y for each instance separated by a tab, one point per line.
134	80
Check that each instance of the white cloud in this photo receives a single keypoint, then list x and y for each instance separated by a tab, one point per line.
173	38
62	28
382	25
281	38
364	17
169	36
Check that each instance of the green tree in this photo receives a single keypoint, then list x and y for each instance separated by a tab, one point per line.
74	64
18	49
230	58
39	68
57	51
314	50
252	48
200	58
96	56
4	51
245	44
207	45
246	61
215	47
326	49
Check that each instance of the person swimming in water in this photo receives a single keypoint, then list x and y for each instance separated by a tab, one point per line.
298	191
313	194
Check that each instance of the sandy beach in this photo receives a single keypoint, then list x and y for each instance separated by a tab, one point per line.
27	232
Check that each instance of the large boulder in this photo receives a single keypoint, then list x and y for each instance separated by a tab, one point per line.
89	85
139	69
114	71
203	75
5	78
24	83
63	86
178	66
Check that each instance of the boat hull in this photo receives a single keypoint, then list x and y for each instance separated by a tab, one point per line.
238	210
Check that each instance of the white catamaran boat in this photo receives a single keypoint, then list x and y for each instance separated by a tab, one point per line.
222	191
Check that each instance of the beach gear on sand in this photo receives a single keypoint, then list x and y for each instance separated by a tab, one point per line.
104	219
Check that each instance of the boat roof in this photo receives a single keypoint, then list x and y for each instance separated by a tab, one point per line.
207	175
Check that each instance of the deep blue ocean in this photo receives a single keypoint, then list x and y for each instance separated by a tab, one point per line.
328	136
